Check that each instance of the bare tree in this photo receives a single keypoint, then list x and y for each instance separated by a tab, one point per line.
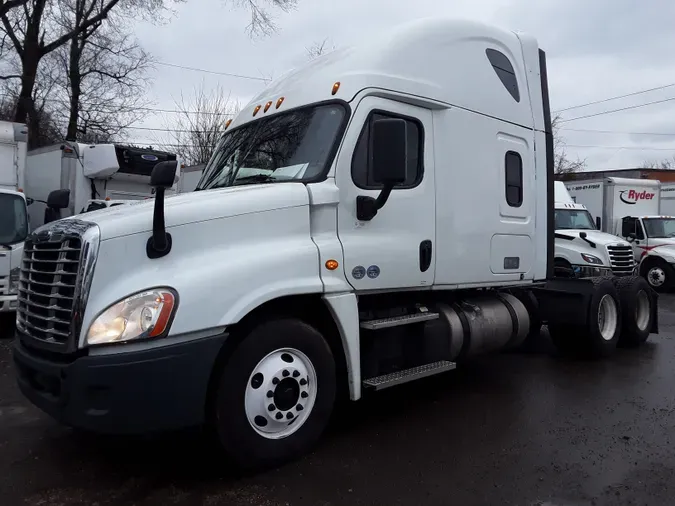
262	22
104	70
666	164
564	166
319	48
199	126
8	5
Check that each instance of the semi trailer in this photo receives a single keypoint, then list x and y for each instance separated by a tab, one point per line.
378	216
13	210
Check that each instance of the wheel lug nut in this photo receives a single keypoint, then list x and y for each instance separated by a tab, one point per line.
278	416
299	407
304	395
296	374
303	381
275	381
270	394
285	373
289	415
271	407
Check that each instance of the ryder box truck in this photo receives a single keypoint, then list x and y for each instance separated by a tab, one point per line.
631	209
377	216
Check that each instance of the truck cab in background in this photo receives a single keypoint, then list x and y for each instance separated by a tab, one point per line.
581	250
90	173
631	209
13	210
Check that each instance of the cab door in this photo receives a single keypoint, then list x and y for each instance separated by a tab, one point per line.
396	248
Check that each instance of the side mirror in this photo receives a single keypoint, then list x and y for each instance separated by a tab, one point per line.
58	199
389	151
29	201
598	223
631	237
164	174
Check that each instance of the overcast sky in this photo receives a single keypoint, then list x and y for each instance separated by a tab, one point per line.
596	49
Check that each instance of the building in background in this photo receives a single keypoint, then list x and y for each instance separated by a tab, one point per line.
663	175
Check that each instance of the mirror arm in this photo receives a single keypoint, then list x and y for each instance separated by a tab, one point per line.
159	243
367	207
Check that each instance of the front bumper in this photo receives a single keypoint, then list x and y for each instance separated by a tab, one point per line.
8	303
126	393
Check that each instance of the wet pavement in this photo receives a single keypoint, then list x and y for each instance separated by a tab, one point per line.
513	429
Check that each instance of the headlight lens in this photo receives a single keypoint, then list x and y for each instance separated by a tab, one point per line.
591	259
14	280
143	315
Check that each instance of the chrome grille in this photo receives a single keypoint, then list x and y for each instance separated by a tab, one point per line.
56	271
4	285
621	259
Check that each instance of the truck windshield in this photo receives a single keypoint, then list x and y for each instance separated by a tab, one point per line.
13	219
573	219
659	227
293	146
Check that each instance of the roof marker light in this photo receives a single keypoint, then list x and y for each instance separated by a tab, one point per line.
336	87
268	105
255	111
227	123
280	101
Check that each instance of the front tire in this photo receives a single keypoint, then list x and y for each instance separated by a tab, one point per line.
637	303
659	274
275	394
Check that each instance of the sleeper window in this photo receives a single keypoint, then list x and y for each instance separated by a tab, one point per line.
514	179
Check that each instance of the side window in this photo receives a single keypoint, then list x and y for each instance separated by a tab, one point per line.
361	173
639	232
513	165
632	226
504	70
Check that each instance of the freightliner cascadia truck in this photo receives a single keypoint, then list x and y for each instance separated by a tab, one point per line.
376	217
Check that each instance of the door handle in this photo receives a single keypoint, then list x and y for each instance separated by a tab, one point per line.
425	255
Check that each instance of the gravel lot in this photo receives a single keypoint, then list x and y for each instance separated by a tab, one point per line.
513	429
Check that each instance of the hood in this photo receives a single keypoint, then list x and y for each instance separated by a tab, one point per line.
199	206
599	238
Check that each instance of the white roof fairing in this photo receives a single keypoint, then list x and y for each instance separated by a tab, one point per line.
441	60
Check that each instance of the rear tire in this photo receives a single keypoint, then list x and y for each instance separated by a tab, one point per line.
637	303
275	394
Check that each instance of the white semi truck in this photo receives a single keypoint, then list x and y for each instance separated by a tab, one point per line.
13	210
631	209
90	172
375	217
581	249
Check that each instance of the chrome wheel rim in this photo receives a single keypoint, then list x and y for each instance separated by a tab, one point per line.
642	310
280	393
656	276
607	317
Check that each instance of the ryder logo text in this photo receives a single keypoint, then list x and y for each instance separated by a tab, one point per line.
632	196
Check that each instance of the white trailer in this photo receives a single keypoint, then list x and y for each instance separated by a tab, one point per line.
189	177
13	210
89	172
630	208
375	217
581	249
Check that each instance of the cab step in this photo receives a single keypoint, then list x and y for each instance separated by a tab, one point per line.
395	321
406	375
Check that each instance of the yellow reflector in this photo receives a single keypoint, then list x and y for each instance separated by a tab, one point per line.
255	111
268	105
336	87
227	123
279	102
331	265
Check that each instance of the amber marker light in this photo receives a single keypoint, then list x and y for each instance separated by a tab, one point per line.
331	264
268	105
279	102
336	87
227	123
255	111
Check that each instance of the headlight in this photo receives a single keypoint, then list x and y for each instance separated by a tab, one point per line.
14	280
140	316
591	259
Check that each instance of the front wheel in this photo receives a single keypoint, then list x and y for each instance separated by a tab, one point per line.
275	394
660	275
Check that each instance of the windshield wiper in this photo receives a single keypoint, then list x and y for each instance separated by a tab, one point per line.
256	178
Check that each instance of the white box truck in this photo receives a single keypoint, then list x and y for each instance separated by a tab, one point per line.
667	205
378	216
581	250
13	210
189	177
630	208
90	172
